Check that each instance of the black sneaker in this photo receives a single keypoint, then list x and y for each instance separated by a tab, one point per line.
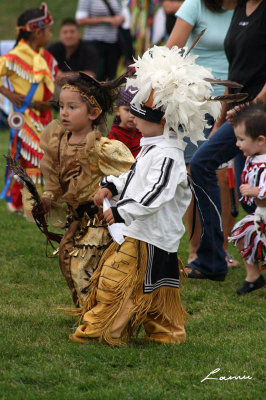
247	287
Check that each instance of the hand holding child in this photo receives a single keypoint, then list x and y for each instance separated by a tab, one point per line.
247	190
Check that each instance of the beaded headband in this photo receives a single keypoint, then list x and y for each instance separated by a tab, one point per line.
40	22
91	99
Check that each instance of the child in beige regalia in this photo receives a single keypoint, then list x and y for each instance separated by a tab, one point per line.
76	158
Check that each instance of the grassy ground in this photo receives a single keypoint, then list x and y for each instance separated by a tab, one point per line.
39	362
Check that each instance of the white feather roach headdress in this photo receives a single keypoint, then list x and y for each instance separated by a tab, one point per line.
180	88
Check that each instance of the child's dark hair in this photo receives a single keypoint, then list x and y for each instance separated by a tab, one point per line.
253	116
105	93
26	16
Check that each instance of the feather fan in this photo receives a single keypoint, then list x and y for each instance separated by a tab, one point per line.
37	211
23	178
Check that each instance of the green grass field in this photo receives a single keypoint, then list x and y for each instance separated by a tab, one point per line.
38	362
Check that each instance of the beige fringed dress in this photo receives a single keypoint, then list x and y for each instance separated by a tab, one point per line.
72	174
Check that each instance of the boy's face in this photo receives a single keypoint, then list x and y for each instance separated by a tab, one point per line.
247	144
147	128
69	35
127	119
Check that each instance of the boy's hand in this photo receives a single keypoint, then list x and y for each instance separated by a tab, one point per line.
100	195
247	190
108	216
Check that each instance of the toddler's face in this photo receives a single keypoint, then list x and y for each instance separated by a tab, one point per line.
73	111
127	119
246	144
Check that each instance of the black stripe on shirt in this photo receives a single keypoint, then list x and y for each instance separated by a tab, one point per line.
123	202
109	185
162	182
145	151
129	177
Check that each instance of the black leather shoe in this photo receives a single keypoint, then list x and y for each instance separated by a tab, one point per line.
247	287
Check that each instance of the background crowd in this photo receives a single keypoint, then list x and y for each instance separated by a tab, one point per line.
233	47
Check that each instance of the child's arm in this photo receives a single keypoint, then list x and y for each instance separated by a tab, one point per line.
13	97
247	190
160	188
259	191
110	186
49	164
116	184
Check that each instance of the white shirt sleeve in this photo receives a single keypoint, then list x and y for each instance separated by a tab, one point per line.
82	9
160	187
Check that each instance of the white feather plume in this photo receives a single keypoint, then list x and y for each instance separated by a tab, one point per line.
180	90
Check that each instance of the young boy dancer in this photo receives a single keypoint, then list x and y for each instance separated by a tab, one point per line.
138	282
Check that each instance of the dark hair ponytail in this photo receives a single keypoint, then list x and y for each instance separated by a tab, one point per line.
26	16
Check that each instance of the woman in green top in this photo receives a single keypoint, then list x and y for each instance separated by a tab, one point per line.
214	16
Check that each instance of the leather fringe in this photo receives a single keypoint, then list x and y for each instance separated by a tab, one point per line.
164	301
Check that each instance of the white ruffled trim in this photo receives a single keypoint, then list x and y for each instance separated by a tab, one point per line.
255	166
260	217
240	231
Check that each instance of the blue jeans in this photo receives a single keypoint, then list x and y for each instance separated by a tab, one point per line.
220	148
191	148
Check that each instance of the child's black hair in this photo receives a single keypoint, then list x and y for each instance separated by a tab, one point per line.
105	93
26	16
253	116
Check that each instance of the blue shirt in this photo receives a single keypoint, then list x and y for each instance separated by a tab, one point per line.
210	48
